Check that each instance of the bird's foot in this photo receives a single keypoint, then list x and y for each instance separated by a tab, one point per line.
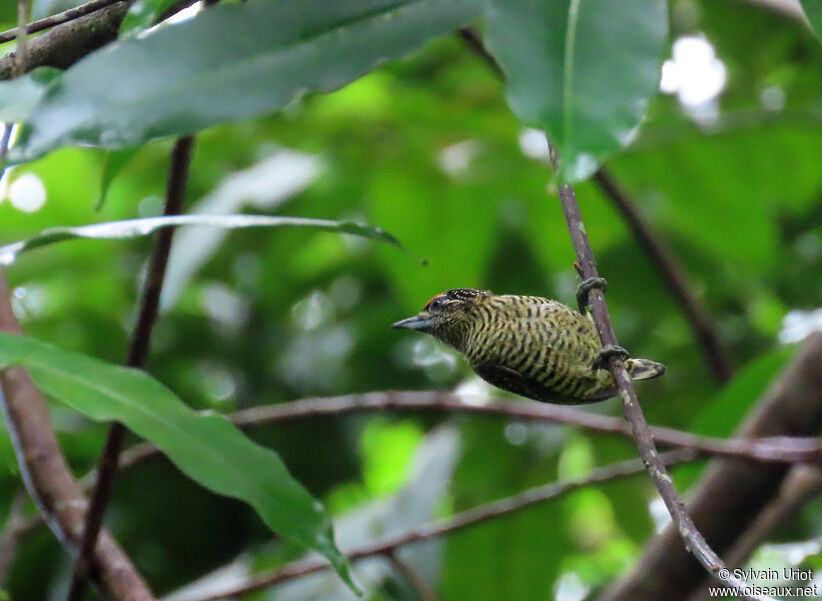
585	286
612	350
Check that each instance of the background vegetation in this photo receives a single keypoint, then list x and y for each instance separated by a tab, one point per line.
727	170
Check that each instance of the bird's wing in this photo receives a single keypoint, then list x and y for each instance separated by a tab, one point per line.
513	381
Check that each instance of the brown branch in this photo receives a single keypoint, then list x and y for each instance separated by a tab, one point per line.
698	316
47	476
802	485
733	494
58	19
66	44
776	449
691	537
137	355
454	523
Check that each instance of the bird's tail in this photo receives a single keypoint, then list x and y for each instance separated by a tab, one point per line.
644	369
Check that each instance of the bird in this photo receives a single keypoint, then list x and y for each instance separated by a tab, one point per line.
532	346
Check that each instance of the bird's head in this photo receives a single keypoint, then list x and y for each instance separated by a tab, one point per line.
447	315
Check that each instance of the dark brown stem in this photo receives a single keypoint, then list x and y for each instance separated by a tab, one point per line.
700	320
137	355
691	537
459	521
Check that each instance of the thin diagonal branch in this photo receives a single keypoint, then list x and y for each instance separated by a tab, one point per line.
732	495
455	523
698	316
137	355
691	537
802	485
663	259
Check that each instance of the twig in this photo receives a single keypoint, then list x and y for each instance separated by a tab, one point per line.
698	316
769	450
58	19
694	541
732	494
411	578
775	449
456	522
137	355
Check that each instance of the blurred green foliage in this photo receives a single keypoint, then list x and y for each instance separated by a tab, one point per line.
427	149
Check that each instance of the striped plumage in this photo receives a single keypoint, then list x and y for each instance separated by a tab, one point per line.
533	346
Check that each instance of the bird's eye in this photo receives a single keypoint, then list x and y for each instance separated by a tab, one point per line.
436	304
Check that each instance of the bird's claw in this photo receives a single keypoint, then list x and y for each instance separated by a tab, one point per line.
612	350
585	286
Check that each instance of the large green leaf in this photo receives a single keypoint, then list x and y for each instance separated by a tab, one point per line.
226	63
582	70
205	446
132	228
19	96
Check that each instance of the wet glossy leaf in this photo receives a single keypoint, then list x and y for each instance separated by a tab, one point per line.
133	228
582	70
171	82
205	446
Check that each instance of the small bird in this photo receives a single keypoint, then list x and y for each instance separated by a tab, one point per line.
532	346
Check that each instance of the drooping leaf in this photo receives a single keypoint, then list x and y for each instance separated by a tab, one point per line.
171	81
133	228
582	70
18	96
205	446
115	161
813	8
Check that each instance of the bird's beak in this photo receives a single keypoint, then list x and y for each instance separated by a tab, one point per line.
422	322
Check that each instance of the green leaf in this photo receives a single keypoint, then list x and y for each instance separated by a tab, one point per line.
18	96
205	446
582	70
133	228
227	63
143	14
114	163
813	8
